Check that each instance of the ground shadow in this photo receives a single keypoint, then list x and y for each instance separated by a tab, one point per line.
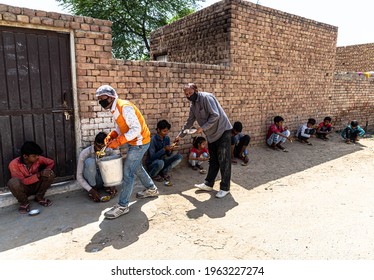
69	211
213	207
122	231
74	210
267	165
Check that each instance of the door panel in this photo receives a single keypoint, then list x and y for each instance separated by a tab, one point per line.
35	94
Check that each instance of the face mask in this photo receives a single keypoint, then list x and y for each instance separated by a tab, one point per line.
193	97
104	103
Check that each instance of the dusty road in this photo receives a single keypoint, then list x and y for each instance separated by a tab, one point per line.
315	202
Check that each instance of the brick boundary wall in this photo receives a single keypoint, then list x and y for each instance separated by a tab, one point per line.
359	58
282	64
156	87
353	98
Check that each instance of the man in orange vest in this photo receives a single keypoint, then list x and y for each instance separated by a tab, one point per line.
131	130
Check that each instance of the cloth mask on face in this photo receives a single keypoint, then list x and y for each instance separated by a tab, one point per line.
104	103
193	97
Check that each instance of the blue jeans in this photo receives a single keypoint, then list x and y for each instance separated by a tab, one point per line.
91	173
196	161
164	165
275	138
133	165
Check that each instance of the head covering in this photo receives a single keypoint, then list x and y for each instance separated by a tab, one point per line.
106	90
192	86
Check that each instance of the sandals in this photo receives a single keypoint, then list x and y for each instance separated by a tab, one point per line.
166	177
158	178
24	209
44	202
112	191
199	166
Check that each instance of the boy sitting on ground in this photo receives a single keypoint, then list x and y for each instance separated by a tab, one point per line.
352	132
305	131
324	129
239	144
160	158
277	134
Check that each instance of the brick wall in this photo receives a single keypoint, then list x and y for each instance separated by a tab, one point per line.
202	37
276	63
353	98
353	94
358	58
282	64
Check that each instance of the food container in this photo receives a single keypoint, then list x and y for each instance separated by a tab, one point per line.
111	170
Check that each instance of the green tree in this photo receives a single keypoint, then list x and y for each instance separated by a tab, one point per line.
133	20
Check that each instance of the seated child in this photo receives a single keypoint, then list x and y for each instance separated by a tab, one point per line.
324	128
31	174
88	172
277	134
305	131
160	158
198	154
352	132
239	143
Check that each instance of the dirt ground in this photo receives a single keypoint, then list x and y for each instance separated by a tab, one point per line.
314	202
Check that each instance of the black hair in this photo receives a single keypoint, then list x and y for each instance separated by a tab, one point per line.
312	121
327	119
163	124
31	148
196	141
238	126
354	123
278	119
99	139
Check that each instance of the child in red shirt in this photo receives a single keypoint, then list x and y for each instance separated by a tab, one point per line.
198	154
324	129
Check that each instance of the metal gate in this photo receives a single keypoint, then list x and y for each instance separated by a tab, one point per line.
36	101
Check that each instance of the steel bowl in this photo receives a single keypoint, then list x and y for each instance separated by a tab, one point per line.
34	212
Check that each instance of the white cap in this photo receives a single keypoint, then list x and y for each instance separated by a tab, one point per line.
106	90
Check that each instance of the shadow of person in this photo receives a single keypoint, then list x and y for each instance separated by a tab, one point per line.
69	212
122	231
212	207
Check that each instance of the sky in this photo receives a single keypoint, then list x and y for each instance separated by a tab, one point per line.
353	18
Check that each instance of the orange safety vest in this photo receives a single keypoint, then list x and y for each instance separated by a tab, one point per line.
143	138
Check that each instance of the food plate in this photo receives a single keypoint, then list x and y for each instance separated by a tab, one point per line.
168	183
34	212
192	130
105	198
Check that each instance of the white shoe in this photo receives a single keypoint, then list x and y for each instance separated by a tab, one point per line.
222	193
116	211
203	187
147	193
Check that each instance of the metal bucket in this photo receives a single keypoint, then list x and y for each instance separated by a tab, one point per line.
111	169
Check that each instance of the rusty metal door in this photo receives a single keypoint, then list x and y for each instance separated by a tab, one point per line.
36	101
